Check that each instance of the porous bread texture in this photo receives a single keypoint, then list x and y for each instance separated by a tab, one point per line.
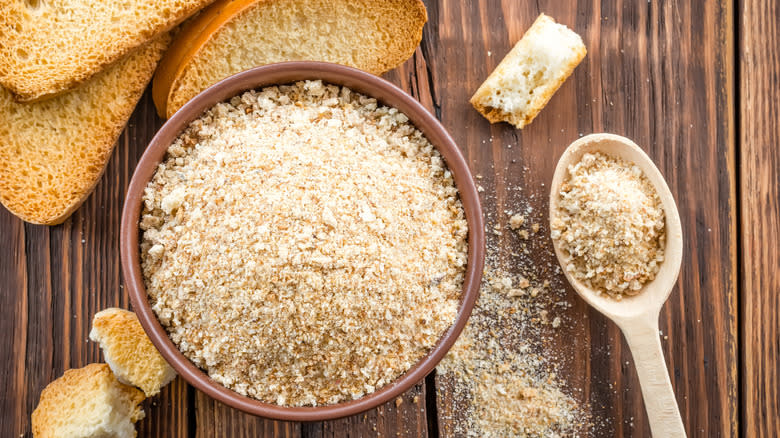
530	73
52	153
49	46
87	402
129	352
372	35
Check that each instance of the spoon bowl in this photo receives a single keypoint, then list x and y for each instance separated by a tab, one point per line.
636	315
652	296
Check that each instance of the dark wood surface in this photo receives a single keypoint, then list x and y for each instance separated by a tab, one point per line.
694	83
759	197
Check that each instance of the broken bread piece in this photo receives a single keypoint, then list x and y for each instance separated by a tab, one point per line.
530	74
129	352
87	402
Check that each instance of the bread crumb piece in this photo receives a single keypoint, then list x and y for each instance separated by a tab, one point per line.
523	282
516	221
523	234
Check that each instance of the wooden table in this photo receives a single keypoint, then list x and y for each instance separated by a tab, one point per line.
694	83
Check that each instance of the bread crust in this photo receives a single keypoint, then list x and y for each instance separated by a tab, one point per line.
53	153
42	56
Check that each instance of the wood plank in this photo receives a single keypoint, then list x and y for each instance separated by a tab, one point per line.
14	304
759	109
214	419
403	417
661	74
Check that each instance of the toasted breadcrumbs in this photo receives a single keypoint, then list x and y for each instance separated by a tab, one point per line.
303	245
610	225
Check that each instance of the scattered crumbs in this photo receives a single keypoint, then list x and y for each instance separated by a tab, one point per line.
399	401
490	53
501	376
480	188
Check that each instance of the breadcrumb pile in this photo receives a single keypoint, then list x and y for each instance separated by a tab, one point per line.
303	244
610	225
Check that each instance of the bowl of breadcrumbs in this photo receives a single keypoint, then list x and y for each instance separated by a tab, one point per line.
303	241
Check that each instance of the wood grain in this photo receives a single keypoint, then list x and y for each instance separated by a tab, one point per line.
214	419
661	73
759	182
403	417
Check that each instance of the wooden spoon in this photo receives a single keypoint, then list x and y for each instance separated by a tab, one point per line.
637	316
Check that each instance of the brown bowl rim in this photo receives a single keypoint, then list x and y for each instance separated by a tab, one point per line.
278	74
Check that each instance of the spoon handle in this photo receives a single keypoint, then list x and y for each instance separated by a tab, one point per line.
657	392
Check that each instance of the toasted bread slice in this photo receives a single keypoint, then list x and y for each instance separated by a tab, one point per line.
49	46
85	403
129	352
232	36
530	74
53	152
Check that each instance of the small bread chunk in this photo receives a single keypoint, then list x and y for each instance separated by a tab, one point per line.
129	352
85	403
530	74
